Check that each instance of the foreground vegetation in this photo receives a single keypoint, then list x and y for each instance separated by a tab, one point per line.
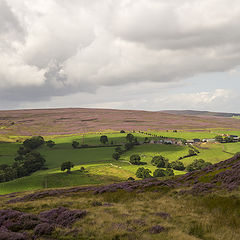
188	207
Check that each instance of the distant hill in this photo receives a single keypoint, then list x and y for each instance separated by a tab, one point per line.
202	113
81	120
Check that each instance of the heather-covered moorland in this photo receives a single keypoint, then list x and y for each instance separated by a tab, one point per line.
79	120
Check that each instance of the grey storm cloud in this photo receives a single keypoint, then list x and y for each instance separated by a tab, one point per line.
60	47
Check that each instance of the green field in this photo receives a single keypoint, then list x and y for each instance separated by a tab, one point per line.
98	162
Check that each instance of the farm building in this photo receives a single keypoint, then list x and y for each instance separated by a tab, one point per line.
235	138
209	140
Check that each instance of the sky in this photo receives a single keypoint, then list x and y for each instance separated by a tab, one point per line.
124	54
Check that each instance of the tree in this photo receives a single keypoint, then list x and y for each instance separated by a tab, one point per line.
122	131
10	174
169	172
119	150
177	165
67	166
104	139
33	162
197	164
128	146
130	137
131	179
50	143
135	159
21	171
3	167
34	142
219	139
143	173
116	156
159	173
191	152
160	162
23	150
75	144
146	140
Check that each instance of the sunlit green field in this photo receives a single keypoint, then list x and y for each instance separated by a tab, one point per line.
98	162
211	133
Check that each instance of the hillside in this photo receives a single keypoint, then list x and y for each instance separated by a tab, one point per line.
80	120
200	205
201	113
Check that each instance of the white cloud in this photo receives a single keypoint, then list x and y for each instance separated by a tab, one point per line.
59	47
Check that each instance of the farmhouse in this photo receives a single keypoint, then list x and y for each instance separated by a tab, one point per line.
235	138
209	140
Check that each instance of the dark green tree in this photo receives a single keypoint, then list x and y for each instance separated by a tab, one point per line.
116	156
143	173
191	152
135	159
130	137
169	172
197	164
119	150
177	165
23	150
219	139
67	166
34	142
159	173
33	161
128	146
75	144
160	162
50	143
104	139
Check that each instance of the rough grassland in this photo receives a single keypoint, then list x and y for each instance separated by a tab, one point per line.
130	216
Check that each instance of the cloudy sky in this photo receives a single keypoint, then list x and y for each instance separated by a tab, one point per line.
125	54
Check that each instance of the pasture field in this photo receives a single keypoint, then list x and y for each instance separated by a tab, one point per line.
188	135
98	162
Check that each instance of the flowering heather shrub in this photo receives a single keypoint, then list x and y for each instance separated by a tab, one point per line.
62	216
43	229
16	221
5	234
12	221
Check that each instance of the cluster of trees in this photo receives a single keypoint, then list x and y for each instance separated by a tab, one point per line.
197	164
162	162
131	142
135	159
27	161
226	139
146	173
67	166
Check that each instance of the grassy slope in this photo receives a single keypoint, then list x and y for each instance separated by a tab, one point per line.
98	161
